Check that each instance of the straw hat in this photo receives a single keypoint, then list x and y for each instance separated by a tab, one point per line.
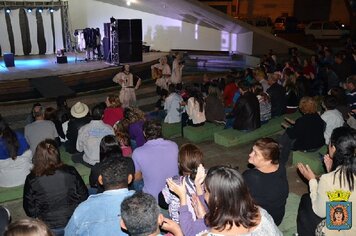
79	110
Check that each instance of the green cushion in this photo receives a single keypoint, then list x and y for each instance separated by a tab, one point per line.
288	225
231	137
171	130
14	193
201	133
310	158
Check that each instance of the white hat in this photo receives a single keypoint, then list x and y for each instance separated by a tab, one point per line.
79	110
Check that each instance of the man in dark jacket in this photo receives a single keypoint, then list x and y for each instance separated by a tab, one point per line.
79	112
277	94
246	110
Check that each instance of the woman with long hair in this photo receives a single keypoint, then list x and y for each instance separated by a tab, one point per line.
195	108
264	101
135	119
53	189
214	109
267	181
15	156
340	163
231	209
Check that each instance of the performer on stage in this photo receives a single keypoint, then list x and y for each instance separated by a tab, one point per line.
161	72
177	67
127	93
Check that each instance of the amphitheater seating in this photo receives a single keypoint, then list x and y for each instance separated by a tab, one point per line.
171	130
14	193
231	137
201	133
310	158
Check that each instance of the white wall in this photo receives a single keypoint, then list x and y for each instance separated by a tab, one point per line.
161	33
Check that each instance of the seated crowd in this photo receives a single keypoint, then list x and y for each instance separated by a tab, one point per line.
135	174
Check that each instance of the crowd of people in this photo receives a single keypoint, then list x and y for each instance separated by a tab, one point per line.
136	174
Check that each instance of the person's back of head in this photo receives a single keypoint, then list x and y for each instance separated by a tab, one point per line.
46	158
140	214
28	227
351	80
152	130
109	146
38	112
98	112
330	102
114	173
189	158
343	141
244	86
229	200
50	113
171	88
10	138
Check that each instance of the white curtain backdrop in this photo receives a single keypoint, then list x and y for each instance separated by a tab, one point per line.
15	22
4	38
32	23
46	16
58	29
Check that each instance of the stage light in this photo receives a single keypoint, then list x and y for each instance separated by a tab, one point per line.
51	10
29	10
8	10
128	3
40	10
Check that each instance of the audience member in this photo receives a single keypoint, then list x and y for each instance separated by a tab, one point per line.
277	94
306	133
195	109
267	182
28	227
351	92
264	101
135	118
156	160
140	216
80	117
123	137
230	90
247	109
109	148
342	104
40	129
341	167
89	137
52	190
63	111
5	219
15	156
189	159
332	117
98	214
30	118
113	112
172	106
51	114
260	77
342	67
214	105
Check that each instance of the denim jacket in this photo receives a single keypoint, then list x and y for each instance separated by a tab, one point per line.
99	214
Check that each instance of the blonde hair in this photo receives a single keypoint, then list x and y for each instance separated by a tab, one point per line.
114	101
307	105
28	227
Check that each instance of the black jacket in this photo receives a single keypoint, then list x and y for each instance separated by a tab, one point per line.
72	132
247	112
277	94
53	198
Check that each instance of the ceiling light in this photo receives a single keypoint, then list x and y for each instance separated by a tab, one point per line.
128	3
40	10
51	10
8	10
29	10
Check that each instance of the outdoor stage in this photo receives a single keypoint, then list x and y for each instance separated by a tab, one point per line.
17	83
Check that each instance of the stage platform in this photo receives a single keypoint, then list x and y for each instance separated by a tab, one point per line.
78	74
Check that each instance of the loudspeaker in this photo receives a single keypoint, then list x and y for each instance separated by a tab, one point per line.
9	59
124	28
136	30
130	52
62	60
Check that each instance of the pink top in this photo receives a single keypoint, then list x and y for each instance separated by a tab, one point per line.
113	115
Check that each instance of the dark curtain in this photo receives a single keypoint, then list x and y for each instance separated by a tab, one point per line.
53	34
25	32
40	34
10	33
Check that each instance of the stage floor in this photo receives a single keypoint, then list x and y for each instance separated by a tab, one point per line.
27	67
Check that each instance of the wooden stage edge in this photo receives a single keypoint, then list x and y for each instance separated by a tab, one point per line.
82	81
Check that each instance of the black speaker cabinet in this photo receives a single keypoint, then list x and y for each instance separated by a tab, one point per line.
9	59
130	52
106	46
62	60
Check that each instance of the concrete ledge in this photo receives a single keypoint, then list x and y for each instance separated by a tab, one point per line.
171	130
232	137
201	133
310	158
